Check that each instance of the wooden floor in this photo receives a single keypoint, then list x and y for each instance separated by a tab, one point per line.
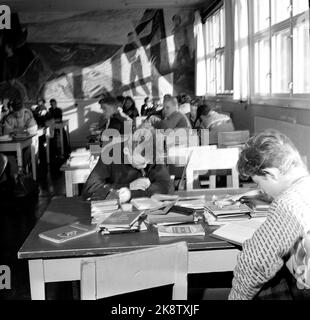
18	217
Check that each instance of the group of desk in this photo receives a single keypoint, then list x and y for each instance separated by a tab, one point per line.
50	262
18	145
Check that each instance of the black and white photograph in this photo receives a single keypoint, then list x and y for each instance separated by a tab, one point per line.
154	154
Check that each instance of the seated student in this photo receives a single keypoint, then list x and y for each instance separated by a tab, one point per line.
138	176
184	103
40	112
54	113
114	118
274	163
129	108
173	118
215	122
192	115
20	120
147	107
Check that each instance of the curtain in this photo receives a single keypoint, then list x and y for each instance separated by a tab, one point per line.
241	56
201	72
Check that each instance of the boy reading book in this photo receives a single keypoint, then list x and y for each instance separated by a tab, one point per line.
274	261
134	174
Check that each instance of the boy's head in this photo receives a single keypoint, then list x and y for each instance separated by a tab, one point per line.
170	105
140	148
53	103
270	159
109	106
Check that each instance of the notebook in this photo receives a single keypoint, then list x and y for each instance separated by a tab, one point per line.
181	230
238	232
68	232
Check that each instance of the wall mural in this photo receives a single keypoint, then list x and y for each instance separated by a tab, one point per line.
72	56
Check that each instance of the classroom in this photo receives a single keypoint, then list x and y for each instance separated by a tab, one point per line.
154	149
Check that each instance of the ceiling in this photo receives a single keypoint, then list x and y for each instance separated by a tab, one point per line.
91	5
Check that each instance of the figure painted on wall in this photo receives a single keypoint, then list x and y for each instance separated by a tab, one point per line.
183	65
133	53
15	56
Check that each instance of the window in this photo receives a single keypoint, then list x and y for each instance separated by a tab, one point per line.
215	49
281	47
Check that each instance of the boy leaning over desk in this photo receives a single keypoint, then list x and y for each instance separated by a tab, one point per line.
135	175
274	263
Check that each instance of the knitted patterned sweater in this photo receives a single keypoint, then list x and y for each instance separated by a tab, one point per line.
276	242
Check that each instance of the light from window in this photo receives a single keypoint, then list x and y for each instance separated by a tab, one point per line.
215	43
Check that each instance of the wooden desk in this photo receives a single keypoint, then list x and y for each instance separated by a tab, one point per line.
18	145
49	262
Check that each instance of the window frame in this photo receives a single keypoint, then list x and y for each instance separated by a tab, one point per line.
290	99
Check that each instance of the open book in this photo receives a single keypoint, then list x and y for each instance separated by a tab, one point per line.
238	232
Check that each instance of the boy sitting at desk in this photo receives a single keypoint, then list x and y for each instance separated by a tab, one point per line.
274	163
135	175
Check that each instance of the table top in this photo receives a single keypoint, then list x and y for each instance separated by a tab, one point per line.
18	140
63	211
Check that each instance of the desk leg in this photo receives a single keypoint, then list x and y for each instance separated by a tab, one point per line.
34	150
69	185
19	155
37	283
48	149
62	141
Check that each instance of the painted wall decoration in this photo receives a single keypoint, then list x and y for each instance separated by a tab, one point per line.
80	56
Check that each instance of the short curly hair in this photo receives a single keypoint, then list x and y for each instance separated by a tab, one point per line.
268	149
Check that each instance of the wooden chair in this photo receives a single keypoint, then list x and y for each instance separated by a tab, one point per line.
233	138
218	159
116	274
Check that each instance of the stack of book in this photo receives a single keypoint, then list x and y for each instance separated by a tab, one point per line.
219	215
102	209
260	207
180	211
123	222
80	157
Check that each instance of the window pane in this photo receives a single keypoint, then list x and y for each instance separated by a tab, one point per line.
281	61
262	66
220	73
280	10
301	65
210	75
261	15
300	6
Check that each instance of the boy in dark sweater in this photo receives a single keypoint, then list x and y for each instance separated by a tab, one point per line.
134	174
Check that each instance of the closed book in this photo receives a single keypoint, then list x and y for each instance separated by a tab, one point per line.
228	210
121	219
181	230
171	217
68	232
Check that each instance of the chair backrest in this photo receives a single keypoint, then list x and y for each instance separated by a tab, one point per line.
233	138
178	156
3	164
217	159
136	270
